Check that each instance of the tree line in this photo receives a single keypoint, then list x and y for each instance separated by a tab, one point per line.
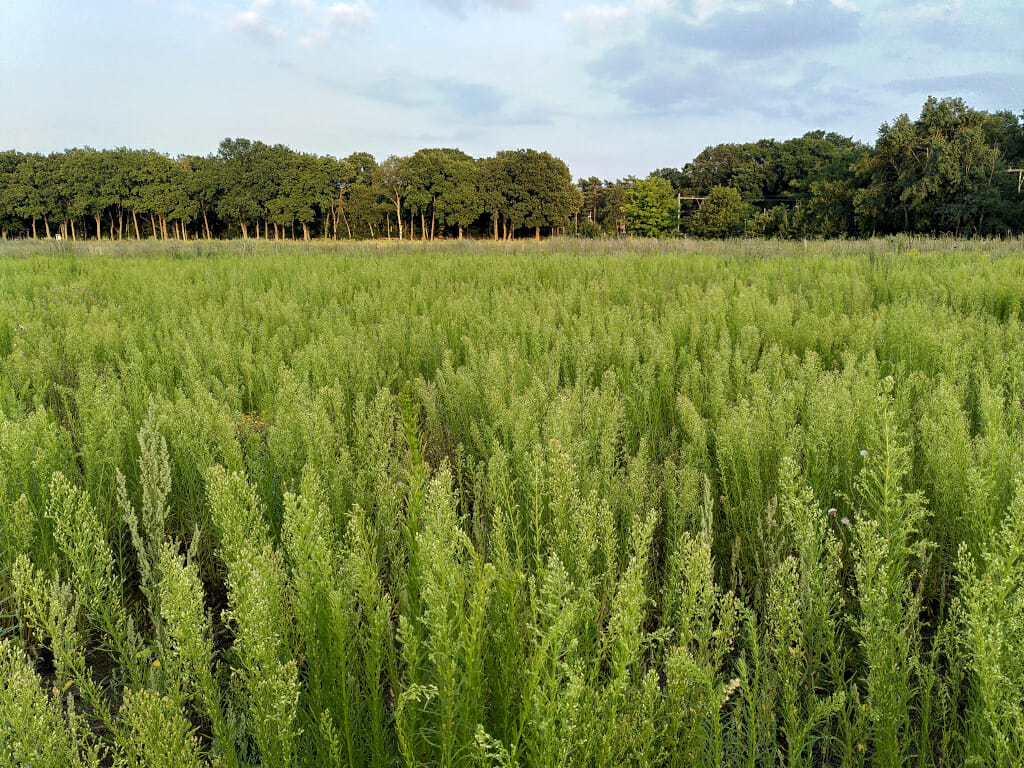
950	171
249	189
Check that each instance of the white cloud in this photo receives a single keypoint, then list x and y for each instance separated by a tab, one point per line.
592	19
596	18
307	22
933	12
701	10
343	15
256	21
461	7
923	13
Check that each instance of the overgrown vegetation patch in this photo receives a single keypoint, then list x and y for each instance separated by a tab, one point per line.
564	504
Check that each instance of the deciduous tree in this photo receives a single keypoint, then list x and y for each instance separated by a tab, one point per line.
651	208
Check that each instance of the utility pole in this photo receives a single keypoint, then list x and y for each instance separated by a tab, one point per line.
679	208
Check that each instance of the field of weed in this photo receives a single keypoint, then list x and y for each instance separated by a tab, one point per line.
559	504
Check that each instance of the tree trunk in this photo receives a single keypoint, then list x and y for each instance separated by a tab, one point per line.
46	223
536	234
73	235
34	228
99	228
163	226
206	223
412	227
495	217
339	207
460	230
305	231
135	221
433	216
398	215
120	225
245	230
423	226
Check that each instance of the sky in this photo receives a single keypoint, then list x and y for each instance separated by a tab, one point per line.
614	89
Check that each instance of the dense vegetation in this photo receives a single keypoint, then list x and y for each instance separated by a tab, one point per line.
945	173
572	504
249	189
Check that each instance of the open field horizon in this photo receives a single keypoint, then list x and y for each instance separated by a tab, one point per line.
680	245
556	503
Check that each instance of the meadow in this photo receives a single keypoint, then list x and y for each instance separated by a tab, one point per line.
624	503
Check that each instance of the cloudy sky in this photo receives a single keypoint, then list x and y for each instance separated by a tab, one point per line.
613	88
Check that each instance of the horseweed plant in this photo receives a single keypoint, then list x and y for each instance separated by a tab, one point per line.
534	505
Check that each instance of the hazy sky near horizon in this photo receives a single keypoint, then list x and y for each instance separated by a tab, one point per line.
613	88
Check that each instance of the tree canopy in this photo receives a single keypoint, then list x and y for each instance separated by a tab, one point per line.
251	189
651	208
946	172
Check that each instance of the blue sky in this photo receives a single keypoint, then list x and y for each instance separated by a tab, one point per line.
614	88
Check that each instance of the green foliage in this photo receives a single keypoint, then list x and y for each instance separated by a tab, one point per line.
569	504
886	546
265	680
651	209
723	213
157	734
36	729
939	173
946	172
991	609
